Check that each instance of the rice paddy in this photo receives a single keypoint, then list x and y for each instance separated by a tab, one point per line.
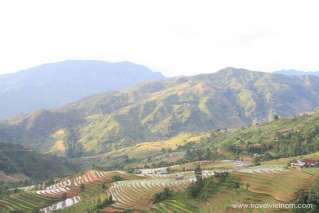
25	201
280	185
138	194
66	188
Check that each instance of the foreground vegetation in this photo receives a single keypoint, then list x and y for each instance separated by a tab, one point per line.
25	202
31	166
93	198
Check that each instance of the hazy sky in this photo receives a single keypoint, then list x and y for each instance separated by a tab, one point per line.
174	37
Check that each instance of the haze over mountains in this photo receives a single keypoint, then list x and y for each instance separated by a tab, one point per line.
161	109
292	72
53	85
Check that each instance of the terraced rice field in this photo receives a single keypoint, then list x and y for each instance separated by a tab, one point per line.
89	198
223	202
172	206
25	201
138	194
189	174
282	186
28	201
71	185
269	170
62	204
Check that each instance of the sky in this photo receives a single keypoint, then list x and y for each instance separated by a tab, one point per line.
175	37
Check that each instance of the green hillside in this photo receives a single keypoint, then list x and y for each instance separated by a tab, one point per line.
15	159
280	138
163	109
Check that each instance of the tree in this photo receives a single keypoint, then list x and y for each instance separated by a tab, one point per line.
208	155
164	195
195	188
247	186
198	174
82	187
256	161
103	186
116	178
189	154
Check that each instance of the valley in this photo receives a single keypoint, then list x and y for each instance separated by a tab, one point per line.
163	109
159	106
98	190
206	143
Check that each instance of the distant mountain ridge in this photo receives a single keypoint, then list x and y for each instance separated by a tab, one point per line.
292	72
161	109
55	84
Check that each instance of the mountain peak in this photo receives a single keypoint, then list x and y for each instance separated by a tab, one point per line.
234	70
56	84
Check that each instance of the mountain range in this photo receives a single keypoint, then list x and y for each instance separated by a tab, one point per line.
292	72
53	85
162	109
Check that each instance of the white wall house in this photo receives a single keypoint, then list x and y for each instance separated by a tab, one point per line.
154	171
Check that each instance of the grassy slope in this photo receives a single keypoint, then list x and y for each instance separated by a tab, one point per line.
14	159
282	186
24	201
159	110
93	194
271	135
28	201
89	198
223	201
263	188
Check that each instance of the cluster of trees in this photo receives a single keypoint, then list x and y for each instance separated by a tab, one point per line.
297	143
311	196
204	188
247	147
287	144
17	159
74	149
116	178
158	164
100	204
119	162
164	195
198	153
7	188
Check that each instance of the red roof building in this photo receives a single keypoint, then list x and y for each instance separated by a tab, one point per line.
310	162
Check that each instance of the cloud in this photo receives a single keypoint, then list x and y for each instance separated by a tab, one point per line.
176	37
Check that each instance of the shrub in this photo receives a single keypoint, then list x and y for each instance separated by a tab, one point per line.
116	178
164	195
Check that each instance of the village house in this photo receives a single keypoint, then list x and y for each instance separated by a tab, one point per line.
310	163
153	171
179	177
304	163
